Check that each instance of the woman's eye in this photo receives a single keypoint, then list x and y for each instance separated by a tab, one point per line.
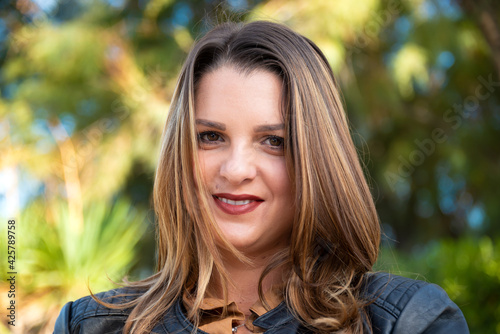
274	141
209	136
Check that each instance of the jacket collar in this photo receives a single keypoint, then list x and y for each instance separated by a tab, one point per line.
175	319
275	317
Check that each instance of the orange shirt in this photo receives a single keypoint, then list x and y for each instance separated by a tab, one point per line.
212	322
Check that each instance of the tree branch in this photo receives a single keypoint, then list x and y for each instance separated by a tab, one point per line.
484	13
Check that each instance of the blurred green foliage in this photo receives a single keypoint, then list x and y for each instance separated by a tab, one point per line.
84	92
56	253
58	260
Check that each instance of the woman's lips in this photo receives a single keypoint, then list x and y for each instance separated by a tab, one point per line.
237	204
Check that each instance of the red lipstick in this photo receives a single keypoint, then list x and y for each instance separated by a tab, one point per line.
237	204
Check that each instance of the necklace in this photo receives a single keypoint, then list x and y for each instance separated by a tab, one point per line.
235	328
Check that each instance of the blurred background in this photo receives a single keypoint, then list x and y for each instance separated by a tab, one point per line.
85	87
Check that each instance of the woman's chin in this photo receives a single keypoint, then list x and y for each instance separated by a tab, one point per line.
241	243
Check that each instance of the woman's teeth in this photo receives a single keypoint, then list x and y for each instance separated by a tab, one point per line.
228	201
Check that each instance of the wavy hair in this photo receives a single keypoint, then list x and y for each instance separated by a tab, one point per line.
335	235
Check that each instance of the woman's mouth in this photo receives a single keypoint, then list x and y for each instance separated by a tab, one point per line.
237	204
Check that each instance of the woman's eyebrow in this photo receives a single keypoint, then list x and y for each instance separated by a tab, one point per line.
211	124
269	127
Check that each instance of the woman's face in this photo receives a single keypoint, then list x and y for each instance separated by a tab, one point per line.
240	149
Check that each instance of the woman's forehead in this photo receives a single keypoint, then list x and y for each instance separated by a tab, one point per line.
228	93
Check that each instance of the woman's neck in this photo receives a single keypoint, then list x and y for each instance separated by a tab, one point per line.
245	281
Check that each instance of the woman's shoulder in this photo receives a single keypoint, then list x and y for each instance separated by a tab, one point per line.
87	315
399	303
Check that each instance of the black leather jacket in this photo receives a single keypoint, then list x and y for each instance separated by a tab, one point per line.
401	305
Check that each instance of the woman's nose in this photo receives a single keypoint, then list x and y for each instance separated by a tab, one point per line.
238	166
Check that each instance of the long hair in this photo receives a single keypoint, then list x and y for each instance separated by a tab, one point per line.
335	234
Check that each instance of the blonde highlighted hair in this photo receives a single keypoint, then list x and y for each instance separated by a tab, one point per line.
335	235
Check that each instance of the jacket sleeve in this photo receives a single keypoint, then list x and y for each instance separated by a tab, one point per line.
400	305
62	322
87	316
431	311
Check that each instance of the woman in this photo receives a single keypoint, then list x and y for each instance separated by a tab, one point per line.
265	220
